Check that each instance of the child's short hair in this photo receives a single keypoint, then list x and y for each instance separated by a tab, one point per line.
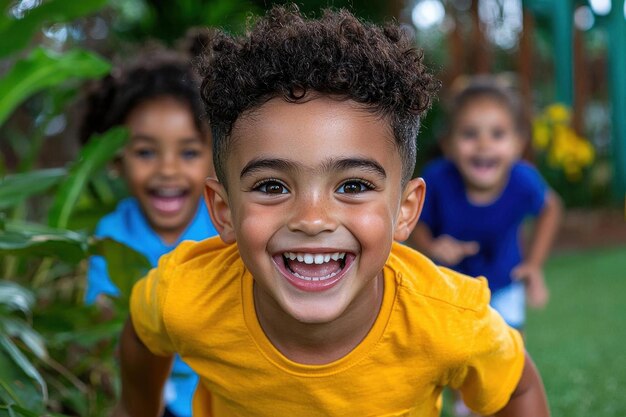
285	54
157	74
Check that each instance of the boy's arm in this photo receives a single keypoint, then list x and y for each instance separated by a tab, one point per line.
531	269
143	376
529	398
443	249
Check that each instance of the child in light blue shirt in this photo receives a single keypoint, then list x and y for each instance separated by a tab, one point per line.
165	164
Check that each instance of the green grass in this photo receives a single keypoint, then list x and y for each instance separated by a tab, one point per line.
579	341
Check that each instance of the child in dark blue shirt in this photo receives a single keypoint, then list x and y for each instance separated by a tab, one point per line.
165	164
478	198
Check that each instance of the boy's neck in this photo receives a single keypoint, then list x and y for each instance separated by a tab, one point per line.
318	344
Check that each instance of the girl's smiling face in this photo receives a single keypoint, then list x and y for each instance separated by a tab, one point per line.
484	144
314	201
165	164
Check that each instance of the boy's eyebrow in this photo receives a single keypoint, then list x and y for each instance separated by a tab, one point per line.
267	163
366	164
332	164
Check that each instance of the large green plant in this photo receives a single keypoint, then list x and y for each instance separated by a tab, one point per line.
55	352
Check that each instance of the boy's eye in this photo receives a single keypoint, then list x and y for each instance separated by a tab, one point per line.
271	187
354	187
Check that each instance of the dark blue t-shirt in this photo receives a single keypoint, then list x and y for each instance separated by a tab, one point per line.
495	226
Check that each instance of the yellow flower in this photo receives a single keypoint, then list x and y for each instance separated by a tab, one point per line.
564	149
558	113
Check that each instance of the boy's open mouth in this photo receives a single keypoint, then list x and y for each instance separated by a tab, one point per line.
313	271
314	266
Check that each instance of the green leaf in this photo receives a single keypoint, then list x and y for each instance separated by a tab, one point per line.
16	188
14	383
24	364
124	265
16	410
18	329
14	297
15	34
43	69
91	336
63	245
99	150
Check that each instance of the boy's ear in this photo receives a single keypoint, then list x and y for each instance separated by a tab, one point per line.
217	201
410	208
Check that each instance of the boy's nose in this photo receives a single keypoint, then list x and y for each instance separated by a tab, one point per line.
312	215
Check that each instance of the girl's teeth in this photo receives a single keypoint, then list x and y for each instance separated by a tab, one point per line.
319	259
308	258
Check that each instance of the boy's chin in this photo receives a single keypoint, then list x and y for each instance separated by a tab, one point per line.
313	313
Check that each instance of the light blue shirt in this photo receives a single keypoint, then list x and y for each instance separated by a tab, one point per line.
128	225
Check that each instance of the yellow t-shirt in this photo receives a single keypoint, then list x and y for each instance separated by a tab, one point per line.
435	328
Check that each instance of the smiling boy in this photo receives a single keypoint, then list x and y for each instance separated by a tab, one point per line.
306	306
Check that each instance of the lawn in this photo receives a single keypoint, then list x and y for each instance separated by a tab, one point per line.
579	341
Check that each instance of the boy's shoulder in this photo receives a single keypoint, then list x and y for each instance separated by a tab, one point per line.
422	278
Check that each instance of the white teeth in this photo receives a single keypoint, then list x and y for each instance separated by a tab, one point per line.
332	274
314	258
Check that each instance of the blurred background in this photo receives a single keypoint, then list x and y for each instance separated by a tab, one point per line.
567	59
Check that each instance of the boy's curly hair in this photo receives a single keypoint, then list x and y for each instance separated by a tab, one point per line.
284	54
156	76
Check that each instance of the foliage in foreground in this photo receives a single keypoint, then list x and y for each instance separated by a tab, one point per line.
56	354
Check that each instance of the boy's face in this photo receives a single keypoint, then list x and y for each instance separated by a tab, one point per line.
165	164
314	202
484	145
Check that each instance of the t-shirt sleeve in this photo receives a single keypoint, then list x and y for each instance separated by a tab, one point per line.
493	366
147	302
535	186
